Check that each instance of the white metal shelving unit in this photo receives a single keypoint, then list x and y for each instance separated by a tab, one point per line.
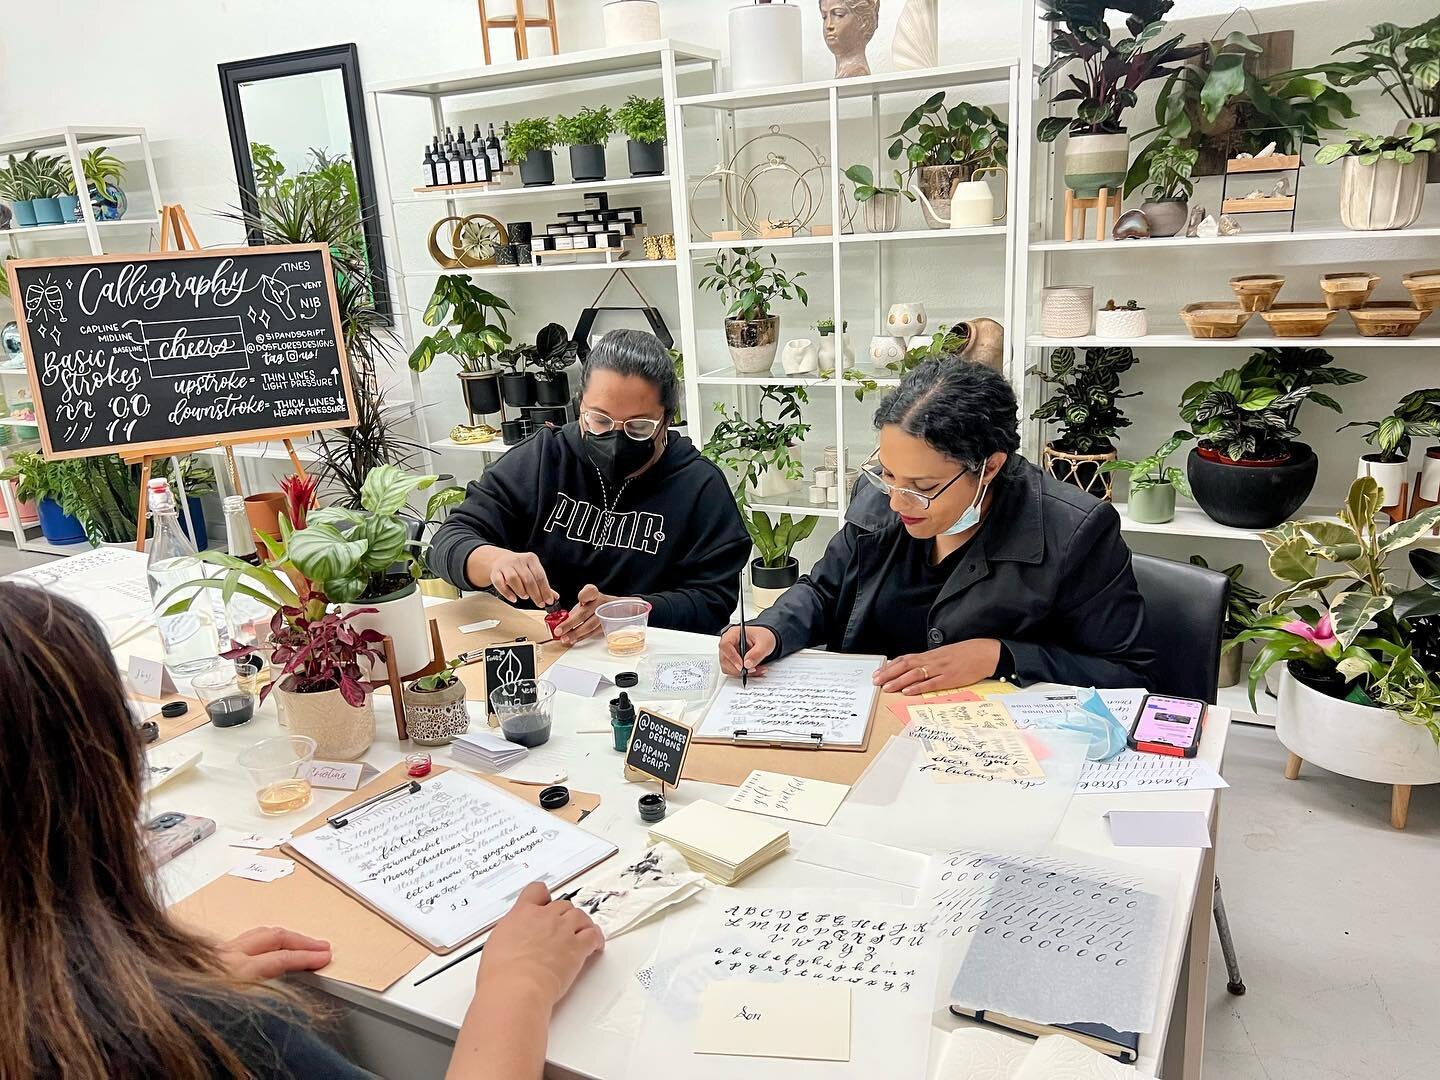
602	69
988	82
101	237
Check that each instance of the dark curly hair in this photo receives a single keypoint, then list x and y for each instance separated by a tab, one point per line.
634	352
965	410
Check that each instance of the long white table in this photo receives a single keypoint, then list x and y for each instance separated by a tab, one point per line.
408	1030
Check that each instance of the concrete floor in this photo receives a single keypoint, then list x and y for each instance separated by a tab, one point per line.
1334	915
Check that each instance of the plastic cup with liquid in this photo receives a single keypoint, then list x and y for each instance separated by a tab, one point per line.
277	768
624	623
227	703
524	709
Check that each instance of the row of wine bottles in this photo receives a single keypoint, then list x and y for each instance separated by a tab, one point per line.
457	160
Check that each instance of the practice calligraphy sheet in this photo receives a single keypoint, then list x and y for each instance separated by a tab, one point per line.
1131	770
977	755
446	862
797	698
1050	939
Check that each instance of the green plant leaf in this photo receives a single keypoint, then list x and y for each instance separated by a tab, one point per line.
1406	532
1354	611
1362	503
1292	561
386	539
387	488
323	554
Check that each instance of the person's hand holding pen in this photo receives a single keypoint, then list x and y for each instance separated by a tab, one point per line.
761	645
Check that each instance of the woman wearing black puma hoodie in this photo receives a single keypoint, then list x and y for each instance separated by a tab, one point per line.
616	505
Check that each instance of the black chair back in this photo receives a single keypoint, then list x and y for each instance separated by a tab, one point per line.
1184	621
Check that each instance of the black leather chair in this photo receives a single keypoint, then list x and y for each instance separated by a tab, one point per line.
1184	622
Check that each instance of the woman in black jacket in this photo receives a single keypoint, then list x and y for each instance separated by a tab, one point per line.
985	569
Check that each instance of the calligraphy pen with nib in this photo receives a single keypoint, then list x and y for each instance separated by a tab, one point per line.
744	645
477	949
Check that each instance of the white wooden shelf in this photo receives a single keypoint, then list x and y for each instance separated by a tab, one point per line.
799	507
55	138
496	447
505	194
1244	239
553	268
912	235
897	82
264	452
728	376
1248	339
10	421
78	227
700	247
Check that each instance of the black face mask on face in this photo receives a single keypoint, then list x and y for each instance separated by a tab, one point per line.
617	455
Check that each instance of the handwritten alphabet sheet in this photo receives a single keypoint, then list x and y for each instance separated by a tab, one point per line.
1050	939
796	940
799	696
448	861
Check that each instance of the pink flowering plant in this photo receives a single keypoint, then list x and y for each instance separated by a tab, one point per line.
1376	643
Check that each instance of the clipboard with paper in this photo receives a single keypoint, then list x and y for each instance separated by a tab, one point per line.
811	700
443	860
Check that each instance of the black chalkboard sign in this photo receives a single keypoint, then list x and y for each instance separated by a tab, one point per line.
658	747
141	352
507	664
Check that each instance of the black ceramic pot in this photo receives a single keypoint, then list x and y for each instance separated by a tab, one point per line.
513	431
1254	495
518	388
552	389
520	232
647	158
482	392
537	168
507	255
548	414
587	163
775	577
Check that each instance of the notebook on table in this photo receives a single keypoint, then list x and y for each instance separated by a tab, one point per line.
724	845
1121	1045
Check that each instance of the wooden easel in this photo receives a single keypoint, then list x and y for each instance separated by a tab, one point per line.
397	680
1081	207
175	231
520	22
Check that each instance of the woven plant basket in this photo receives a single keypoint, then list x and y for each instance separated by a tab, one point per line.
1080	470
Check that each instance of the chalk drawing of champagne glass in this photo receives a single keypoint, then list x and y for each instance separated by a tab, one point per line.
277	292
43	298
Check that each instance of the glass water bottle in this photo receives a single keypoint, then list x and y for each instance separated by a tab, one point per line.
188	637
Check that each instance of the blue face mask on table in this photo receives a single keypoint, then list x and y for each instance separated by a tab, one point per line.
1092	717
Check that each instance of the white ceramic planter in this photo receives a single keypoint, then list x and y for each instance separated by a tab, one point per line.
1066	311
906	320
765	598
1430	475
341	732
1352	740
800	356
1121	323
766	46
882	214
1389	475
403	619
630	21
827	357
773	484
1427	121
886	350
1386	195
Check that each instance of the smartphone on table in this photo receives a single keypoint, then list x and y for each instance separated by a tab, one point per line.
172	834
1168	725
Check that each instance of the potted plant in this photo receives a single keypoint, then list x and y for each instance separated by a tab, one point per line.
1164	168
1418	413
831	355
17	190
517	381
554	355
759	452
103	175
1247	470
881	205
41	482
531	142
52	181
642	120
774	568
586	133
1121	321
435	709
1242	609
1107	77
437	509
1153	483
750	282
1401	60
944	147
321	657
1358	694
476	334
364	561
1085	406
1382	185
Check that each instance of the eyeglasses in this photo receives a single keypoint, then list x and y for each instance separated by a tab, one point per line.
640	429
909	498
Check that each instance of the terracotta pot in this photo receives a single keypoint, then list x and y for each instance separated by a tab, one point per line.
341	731
985	342
263	511
436	717
1080	470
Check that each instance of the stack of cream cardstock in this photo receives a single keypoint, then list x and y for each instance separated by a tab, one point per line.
722	844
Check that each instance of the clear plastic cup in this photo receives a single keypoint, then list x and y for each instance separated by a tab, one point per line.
276	766
524	710
227	703
624	623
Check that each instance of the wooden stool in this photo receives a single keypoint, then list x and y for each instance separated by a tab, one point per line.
1399	793
519	23
1082	207
1398	512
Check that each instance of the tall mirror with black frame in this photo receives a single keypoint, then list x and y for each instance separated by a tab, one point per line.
302	156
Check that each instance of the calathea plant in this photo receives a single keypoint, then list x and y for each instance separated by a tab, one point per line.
1085	401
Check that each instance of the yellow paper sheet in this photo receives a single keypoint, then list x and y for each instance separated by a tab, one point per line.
990	687
979	755
958	714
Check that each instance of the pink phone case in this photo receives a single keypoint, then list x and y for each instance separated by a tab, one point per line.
172	834
1168	725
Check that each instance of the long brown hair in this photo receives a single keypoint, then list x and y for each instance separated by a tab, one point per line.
95	980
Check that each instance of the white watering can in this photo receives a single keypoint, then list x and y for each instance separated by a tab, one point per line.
972	203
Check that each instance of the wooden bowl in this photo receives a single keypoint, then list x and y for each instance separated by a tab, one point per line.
1306	319
1387	318
1424	286
1256	292
1215	319
1348	290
